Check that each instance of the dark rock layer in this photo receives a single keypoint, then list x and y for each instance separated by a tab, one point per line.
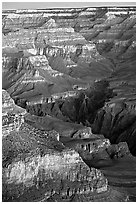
118	123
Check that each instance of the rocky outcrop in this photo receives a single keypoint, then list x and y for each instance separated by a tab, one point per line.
19	164
118	123
53	173
33	158
35	39
37	167
81	108
36	82
111	159
34	161
13	22
12	115
95	150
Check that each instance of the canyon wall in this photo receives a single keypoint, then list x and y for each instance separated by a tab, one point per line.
37	167
68	104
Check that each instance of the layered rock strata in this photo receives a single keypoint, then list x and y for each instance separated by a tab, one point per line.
37	167
96	151
35	81
117	122
51	58
100	54
12	115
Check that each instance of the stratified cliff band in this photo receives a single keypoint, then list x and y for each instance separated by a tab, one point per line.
68	105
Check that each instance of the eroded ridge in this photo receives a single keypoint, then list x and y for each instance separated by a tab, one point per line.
68	115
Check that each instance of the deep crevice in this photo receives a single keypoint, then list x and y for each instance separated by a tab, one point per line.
87	109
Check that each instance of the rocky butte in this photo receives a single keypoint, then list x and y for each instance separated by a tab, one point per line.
68	105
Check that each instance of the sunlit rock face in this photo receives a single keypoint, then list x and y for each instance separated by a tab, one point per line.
94	38
53	173
16	21
39	83
35	161
37	167
94	146
29	39
12	115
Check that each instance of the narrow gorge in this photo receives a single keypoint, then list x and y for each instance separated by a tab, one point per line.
69	105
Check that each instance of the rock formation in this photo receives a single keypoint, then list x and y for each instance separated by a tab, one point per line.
12	115
37	167
117	122
68	115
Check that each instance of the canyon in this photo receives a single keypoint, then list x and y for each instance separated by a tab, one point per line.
69	105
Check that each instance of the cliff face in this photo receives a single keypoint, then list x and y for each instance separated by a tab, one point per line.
35	159
73	71
49	175
89	44
37	167
36	82
80	108
12	115
117	122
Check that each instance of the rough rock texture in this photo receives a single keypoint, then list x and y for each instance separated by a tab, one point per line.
117	122
39	83
81	108
14	22
12	115
95	150
37	167
100	39
53	173
74	71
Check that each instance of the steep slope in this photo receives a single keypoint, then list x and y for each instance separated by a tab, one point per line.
89	43
37	167
34	79
74	72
